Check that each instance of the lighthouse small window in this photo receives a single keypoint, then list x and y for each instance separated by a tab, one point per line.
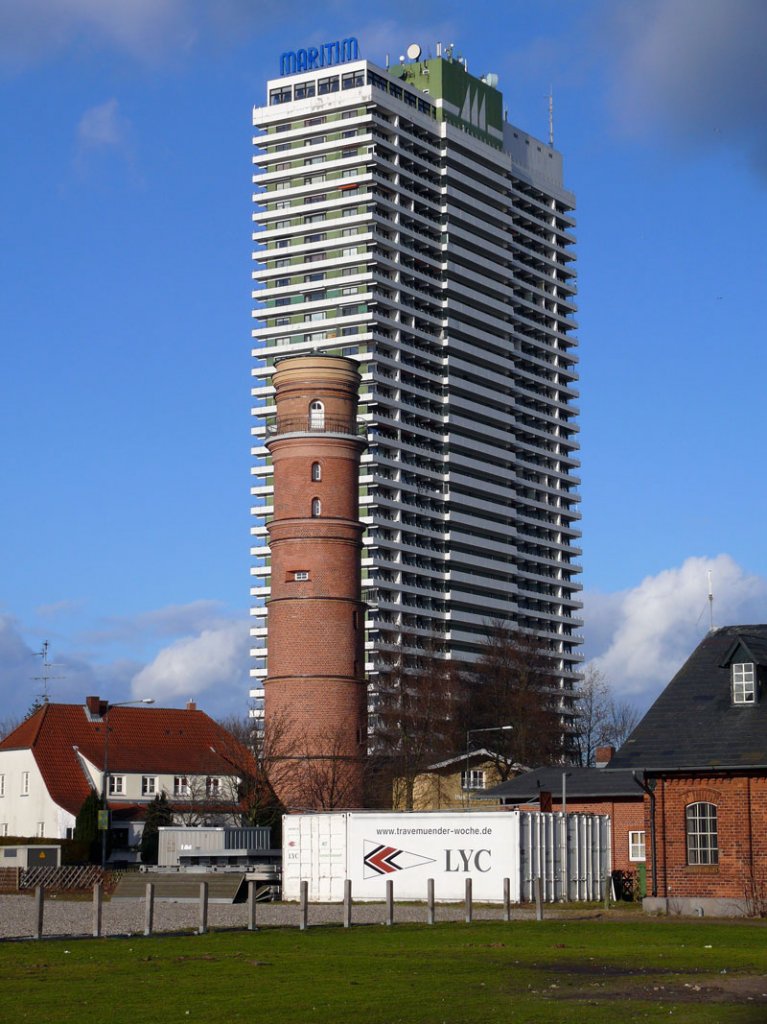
316	471
301	575
316	416
316	507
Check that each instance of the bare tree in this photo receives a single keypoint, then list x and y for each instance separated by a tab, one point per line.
417	722
7	725
602	719
513	683
329	780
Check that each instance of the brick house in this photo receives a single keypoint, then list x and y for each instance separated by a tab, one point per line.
457	783
586	791
56	757
701	752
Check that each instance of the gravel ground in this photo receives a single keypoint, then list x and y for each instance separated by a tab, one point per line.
70	918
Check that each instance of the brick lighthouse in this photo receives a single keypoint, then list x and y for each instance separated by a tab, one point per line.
315	692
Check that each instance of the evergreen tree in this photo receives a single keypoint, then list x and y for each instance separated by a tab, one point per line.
87	825
158	813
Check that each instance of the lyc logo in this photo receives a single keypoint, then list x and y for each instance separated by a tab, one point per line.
385	860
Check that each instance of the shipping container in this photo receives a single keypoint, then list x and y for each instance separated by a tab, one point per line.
569	852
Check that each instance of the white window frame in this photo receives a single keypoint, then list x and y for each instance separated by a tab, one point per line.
637	849
316	508
3	828
743	682
117	785
25	783
2	785
181	785
702	833
214	787
301	575
316	407
149	785
474	778
40	830
316	477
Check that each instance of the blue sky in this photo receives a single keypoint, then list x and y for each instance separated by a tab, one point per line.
125	298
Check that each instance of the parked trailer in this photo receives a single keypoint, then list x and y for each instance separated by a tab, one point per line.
569	852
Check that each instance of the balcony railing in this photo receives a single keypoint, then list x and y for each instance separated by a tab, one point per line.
314	425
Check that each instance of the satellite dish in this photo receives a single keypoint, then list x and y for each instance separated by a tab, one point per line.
492	80
414	51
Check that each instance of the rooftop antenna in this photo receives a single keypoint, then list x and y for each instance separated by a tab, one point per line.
551	115
710	601
47	675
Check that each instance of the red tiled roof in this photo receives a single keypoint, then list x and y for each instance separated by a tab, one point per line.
153	741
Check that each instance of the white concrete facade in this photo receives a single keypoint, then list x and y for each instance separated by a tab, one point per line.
440	258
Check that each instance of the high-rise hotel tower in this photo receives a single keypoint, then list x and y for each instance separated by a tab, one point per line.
402	221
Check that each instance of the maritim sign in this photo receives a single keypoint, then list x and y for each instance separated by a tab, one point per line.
323	56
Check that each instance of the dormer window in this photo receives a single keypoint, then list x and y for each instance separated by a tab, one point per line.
743	682
316	415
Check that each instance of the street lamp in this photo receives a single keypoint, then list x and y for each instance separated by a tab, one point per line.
469	734
104	816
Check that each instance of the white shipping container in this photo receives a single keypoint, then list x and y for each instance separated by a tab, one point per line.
571	854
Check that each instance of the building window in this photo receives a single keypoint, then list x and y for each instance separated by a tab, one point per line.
2	785
116	785
352	80
316	507
316	475
148	785
702	838
301	575
283	95
314	120
744	682
181	785
327	85
40	831
304	90
636	846
213	787
3	828
316	409
474	778
25	783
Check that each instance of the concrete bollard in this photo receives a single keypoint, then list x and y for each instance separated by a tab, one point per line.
468	909
389	902
149	909
98	903
203	925
538	898
506	899
347	903
430	901
39	910
252	907
303	921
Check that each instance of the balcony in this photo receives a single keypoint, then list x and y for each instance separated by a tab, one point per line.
314	425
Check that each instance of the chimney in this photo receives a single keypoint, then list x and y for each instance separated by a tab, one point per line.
191	705
93	704
604	756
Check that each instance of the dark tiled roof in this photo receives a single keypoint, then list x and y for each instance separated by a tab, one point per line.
582	784
694	724
153	741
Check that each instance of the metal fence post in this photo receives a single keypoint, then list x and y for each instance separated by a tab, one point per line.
303	920
608	886
39	910
252	906
506	899
467	902
98	901
538	898
389	901
347	903
203	926
149	909
430	901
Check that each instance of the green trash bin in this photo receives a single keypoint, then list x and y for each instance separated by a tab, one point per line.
642	880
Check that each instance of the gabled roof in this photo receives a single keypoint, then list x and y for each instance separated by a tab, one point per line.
581	784
152	741
693	723
482	754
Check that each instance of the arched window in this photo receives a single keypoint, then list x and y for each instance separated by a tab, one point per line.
702	837
316	471
316	507
316	415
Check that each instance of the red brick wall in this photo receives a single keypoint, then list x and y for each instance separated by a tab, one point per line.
741	802
315	694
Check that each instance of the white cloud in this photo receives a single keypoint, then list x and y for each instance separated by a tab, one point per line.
695	70
170	621
103	126
214	663
646	633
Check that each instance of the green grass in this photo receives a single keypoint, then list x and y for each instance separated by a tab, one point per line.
558	971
